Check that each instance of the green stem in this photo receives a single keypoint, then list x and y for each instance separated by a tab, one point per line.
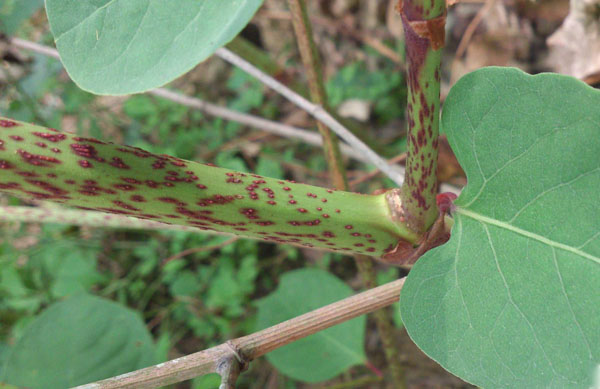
262	60
312	64
383	321
44	164
424	34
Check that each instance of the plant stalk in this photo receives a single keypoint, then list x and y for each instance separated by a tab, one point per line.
250	347
383	321
44	164
78	217
424	22
240	117
314	110
312	64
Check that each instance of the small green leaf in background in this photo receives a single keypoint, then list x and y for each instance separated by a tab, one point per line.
14	12
325	354
383	88
76	341
513	299
230	285
70	267
268	168
185	283
129	46
209	381
4	352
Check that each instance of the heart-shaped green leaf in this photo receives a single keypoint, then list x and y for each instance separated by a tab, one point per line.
127	46
513	299
325	354
76	341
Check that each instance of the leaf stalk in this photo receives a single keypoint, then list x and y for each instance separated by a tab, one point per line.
424	23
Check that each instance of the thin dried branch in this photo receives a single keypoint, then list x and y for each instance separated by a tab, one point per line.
77	217
368	176
229	369
334	27
250	120
222	112
312	65
199	249
316	111
250	347
468	34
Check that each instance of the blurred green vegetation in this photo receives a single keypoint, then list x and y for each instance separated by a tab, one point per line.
208	296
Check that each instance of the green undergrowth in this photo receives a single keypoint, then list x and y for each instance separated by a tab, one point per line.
185	304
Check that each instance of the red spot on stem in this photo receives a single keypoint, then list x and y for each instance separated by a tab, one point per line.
7	123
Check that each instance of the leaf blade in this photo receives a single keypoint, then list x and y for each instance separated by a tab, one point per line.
513	298
325	354
79	340
125	46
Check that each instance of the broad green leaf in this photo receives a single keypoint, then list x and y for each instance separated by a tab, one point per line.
128	46
325	354
513	299
76	341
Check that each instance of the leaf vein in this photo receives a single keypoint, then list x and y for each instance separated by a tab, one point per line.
510	298
543	193
562	285
486	220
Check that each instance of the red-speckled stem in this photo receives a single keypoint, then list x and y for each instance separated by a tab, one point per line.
41	163
423	22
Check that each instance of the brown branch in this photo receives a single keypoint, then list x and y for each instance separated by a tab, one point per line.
333	26
355	148
365	177
312	64
200	249
229	369
466	38
250	347
78	217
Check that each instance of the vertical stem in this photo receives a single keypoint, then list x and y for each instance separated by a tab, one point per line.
383	321
424	22
312	64
229	369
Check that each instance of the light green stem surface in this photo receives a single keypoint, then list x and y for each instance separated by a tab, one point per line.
44	164
424	33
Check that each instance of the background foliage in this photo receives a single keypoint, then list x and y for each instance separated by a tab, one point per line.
228	288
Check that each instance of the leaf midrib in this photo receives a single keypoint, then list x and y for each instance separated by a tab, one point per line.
542	239
56	38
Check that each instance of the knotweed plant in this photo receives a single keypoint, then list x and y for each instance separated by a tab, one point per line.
509	297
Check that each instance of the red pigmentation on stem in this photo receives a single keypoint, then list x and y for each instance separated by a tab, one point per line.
445	202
